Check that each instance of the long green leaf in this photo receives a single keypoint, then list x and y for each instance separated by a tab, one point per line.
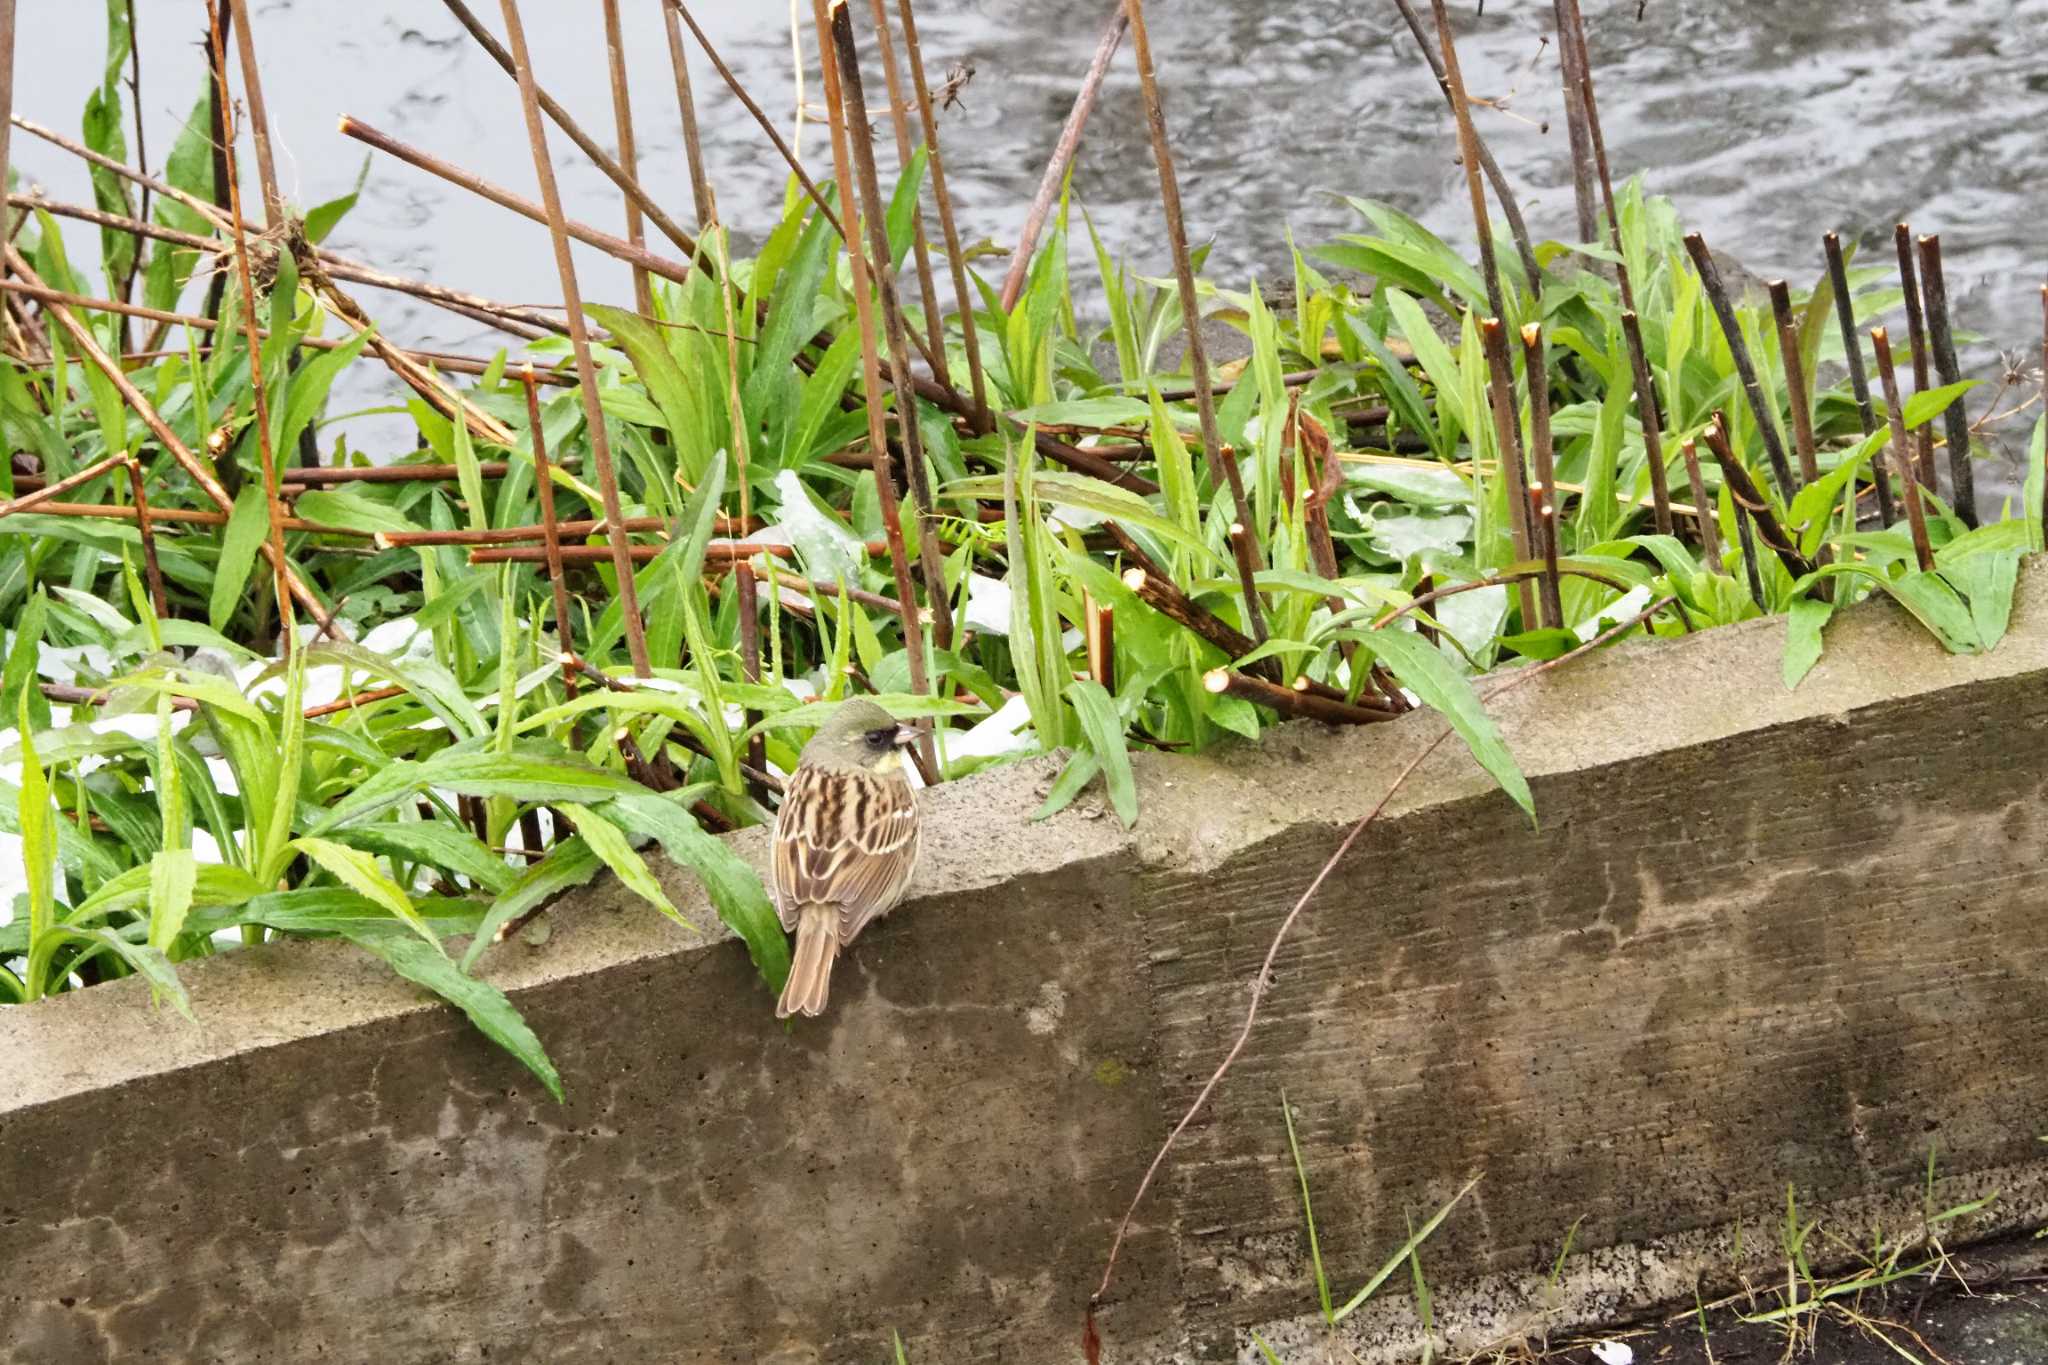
1422	668
733	886
248	524
1093	495
146	961
494	1015
436	843
38	849
1923	408
434	686
609	843
1803	637
358	871
310	387
1074	778
570	863
129	891
18	679
172	873
1105	732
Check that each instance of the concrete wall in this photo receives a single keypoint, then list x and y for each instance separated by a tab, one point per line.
1760	937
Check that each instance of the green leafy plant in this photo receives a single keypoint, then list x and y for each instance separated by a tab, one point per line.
469	738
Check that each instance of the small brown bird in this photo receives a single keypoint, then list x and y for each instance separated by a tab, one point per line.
845	843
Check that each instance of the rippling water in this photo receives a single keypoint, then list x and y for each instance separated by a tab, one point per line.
1768	121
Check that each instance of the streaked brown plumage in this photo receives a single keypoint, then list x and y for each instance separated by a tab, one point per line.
845	843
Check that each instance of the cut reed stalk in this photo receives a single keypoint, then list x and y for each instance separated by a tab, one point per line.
525	323
1724	310
821	591
1751	500
1649	413
1293	379
767	125
1468	154
96	355
1303	705
613	171
455	364
356	699
1796	394
1423	587
98	696
445	398
1745	536
1132	551
871	368
1916	332
586	371
629	158
1962	477
1507	436
942	198
550	529
1543	500
1502	190
1305	436
519	535
1221	460
1703	509
245	281
1101	633
390	473
1163	596
184	516
860	143
743	570
217	187
716	552
1571	54
1901	448
920	248
259	120
212	213
27	502
1062	154
1852	347
6	105
686	110
157	599
609	243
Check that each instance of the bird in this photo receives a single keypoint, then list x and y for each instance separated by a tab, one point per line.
846	842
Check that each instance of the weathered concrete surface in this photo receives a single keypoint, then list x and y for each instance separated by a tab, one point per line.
1759	937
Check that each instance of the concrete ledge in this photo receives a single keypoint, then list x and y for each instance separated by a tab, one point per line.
1760	937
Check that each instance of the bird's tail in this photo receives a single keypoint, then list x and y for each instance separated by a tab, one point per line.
810	973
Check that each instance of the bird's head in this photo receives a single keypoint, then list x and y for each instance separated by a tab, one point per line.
859	737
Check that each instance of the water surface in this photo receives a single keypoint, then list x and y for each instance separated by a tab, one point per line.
1768	121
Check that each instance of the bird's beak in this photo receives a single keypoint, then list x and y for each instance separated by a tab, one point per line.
906	735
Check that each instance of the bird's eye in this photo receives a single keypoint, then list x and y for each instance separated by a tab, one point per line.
879	740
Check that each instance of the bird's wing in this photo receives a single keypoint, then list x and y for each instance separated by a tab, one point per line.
848	840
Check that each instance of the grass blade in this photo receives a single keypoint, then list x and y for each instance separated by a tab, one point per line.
1394	1262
